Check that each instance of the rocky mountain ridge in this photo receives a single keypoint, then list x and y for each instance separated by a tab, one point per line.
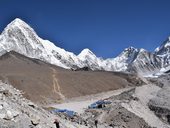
18	36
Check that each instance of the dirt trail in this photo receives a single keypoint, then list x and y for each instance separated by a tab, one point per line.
56	86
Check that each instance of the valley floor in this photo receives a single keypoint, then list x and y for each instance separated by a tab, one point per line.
146	106
80	104
133	104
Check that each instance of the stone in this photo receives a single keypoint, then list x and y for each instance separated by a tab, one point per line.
8	115
31	104
1	107
1	96
15	113
35	120
2	116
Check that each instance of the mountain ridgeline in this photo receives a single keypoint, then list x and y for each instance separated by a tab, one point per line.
21	38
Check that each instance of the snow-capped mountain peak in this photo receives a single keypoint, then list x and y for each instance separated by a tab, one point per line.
164	52
17	22
18	36
128	54
142	50
86	53
130	49
164	47
90	59
123	60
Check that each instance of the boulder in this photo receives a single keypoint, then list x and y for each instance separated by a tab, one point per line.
8	115
11	114
2	116
35	120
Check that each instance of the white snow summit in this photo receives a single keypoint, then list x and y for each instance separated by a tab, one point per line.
18	36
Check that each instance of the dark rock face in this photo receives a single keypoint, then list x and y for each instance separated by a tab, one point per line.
161	103
162	113
164	52
146	63
83	69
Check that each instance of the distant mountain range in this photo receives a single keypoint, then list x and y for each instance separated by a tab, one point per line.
18	36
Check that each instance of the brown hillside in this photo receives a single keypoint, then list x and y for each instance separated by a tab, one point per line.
43	82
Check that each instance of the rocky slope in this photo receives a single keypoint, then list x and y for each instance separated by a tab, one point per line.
146	63
45	83
146	106
160	104
18	112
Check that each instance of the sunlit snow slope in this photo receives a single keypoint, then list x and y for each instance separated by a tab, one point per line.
18	36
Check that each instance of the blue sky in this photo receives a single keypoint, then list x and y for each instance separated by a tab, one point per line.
104	26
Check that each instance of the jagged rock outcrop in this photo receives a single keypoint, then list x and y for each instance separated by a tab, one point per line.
164	53
146	63
160	104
